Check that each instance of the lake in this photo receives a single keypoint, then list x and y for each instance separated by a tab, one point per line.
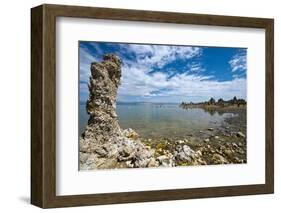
152	120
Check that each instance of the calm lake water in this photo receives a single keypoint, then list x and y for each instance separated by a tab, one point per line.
160	120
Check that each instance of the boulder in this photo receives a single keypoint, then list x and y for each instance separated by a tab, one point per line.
206	140
219	159
165	161
184	154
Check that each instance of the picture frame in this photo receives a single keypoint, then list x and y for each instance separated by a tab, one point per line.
43	105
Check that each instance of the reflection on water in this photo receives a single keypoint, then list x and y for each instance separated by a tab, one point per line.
213	111
161	120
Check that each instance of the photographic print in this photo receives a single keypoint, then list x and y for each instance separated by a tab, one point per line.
112	100
161	105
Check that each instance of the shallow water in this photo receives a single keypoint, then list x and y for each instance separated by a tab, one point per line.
161	120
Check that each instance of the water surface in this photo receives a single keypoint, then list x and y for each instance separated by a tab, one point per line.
152	120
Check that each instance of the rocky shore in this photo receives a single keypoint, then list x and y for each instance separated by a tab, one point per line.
104	145
220	104
223	145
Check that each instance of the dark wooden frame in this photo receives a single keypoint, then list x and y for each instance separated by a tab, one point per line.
43	105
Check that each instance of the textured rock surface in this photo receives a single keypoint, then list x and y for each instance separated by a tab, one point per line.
104	145
184	153
103	84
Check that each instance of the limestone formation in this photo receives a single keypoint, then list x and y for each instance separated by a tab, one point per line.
104	144
103	84
184	153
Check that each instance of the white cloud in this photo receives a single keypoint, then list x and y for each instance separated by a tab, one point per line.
162	86
86	58
180	87
195	67
139	84
239	62
160	55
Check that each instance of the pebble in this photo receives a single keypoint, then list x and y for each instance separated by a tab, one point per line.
241	152
180	141
234	145
199	153
217	158
240	134
228	153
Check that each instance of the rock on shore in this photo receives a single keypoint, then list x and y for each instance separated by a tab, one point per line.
104	144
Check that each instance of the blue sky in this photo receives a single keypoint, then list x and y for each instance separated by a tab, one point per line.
170	74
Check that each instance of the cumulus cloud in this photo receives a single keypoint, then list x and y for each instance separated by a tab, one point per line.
86	58
146	75
181	87
195	67
160	55
239	61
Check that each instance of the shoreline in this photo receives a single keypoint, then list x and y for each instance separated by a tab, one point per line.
225	144
214	107
222	144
